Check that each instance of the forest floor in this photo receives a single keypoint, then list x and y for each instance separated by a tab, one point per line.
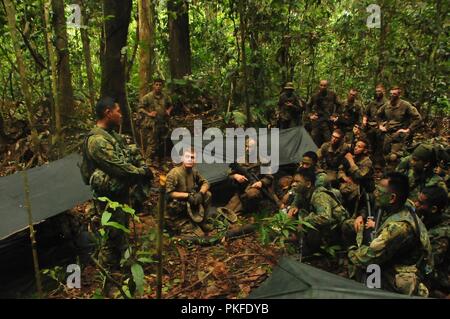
229	269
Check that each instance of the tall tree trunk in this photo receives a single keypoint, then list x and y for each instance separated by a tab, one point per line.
116	15
11	15
87	51
65	91
146	12
53	74
179	42
243	32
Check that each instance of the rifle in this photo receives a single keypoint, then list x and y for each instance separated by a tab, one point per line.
369	214
252	178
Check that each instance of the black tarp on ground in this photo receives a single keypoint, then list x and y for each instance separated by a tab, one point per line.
54	188
291	279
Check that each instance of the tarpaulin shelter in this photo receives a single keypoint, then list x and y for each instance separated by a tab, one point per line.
291	279
57	186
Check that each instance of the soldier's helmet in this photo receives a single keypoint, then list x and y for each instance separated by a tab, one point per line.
289	86
197	213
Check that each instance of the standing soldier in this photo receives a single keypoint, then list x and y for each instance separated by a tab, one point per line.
349	115
401	246
188	198
320	107
291	108
398	121
111	171
154	110
369	121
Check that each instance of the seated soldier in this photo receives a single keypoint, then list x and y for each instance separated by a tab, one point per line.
356	176
287	184
320	208
189	198
401	246
253	191
432	207
420	169
331	155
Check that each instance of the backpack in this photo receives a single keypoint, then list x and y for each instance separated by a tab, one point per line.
87	165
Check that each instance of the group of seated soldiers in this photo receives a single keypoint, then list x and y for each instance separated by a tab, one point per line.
401	224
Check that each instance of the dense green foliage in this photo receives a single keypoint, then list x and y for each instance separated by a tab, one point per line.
302	41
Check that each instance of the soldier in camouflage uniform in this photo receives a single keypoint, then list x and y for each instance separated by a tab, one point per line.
320	208
349	115
420	169
291	108
154	111
321	106
189	198
398	121
401	246
331	155
112	169
287	184
432	206
369	120
356	176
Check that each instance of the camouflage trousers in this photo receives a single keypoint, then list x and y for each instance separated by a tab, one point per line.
394	146
320	132
404	280
154	138
178	220
115	240
250	200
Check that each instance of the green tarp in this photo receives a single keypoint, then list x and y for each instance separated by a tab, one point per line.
291	279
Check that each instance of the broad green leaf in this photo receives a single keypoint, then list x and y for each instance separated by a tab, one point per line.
118	226
106	216
138	277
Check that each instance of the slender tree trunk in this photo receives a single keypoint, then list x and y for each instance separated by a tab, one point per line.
11	15
65	91
116	15
53	74
146	11
179	42
87	51
243	32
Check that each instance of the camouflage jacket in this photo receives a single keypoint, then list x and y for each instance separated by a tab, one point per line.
151	102
288	112
403	115
181	180
115	165
324	105
440	240
397	243
417	183
349	115
324	210
330	159
372	109
110	153
361	173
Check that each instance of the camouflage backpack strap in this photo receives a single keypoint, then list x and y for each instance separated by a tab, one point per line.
422	236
